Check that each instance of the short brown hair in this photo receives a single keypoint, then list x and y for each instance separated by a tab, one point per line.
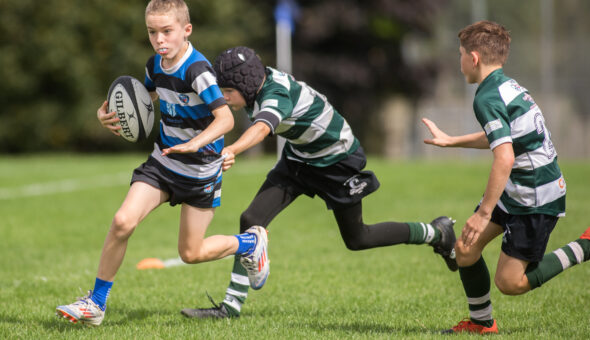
490	39
179	8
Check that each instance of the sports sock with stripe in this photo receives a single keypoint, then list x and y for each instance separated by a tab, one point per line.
422	233
476	283
237	291
100	293
557	261
247	242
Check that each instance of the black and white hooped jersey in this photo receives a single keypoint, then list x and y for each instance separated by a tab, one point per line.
188	93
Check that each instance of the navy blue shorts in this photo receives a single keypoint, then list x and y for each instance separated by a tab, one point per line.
199	194
339	185
525	236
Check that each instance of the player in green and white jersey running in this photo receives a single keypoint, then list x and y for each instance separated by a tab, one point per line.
525	194
321	157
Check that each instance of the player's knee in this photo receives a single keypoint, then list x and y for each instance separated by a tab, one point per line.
123	225
191	256
187	257
465	256
356	242
353	245
461	253
511	286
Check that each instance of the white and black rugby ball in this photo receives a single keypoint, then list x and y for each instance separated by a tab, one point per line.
135	109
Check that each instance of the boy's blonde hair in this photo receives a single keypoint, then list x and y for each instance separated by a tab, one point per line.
178	7
491	40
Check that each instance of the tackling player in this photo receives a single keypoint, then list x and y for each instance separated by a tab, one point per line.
321	157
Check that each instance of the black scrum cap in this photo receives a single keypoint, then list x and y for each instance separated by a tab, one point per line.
241	69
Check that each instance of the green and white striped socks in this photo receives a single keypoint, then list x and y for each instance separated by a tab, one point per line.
476	283
421	233
557	261
237	291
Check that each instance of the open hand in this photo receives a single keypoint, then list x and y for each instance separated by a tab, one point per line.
473	228
439	137
187	147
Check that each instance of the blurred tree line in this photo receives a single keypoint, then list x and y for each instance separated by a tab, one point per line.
59	57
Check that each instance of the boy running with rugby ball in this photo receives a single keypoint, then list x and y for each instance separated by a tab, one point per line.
185	166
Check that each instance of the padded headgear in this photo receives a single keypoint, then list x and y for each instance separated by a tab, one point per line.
241	69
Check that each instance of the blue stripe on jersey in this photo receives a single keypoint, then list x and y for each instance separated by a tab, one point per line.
191	112
211	94
217	145
195	57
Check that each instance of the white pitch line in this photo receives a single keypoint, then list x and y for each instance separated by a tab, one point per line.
66	185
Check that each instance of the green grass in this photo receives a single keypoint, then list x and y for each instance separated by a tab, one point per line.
50	243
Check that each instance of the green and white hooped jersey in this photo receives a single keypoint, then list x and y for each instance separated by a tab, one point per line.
315	132
508	114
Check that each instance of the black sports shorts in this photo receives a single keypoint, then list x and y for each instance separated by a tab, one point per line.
200	194
525	236
339	185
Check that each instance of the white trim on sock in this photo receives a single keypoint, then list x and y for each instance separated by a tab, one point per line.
562	256
233	302
240	279
482	314
423	229
429	233
236	293
478	300
577	250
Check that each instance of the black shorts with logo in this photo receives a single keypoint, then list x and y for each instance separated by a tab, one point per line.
339	185
525	236
197	193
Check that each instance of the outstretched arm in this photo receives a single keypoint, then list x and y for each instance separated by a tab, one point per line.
222	124
475	140
252	136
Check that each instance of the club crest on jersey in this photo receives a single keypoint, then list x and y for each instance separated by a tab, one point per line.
208	189
356	186
516	86
183	98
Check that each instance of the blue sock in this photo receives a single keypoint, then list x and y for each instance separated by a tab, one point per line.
101	292
247	243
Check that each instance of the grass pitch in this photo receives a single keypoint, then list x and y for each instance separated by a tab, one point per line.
56	209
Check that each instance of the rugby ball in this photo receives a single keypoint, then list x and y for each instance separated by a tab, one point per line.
135	109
